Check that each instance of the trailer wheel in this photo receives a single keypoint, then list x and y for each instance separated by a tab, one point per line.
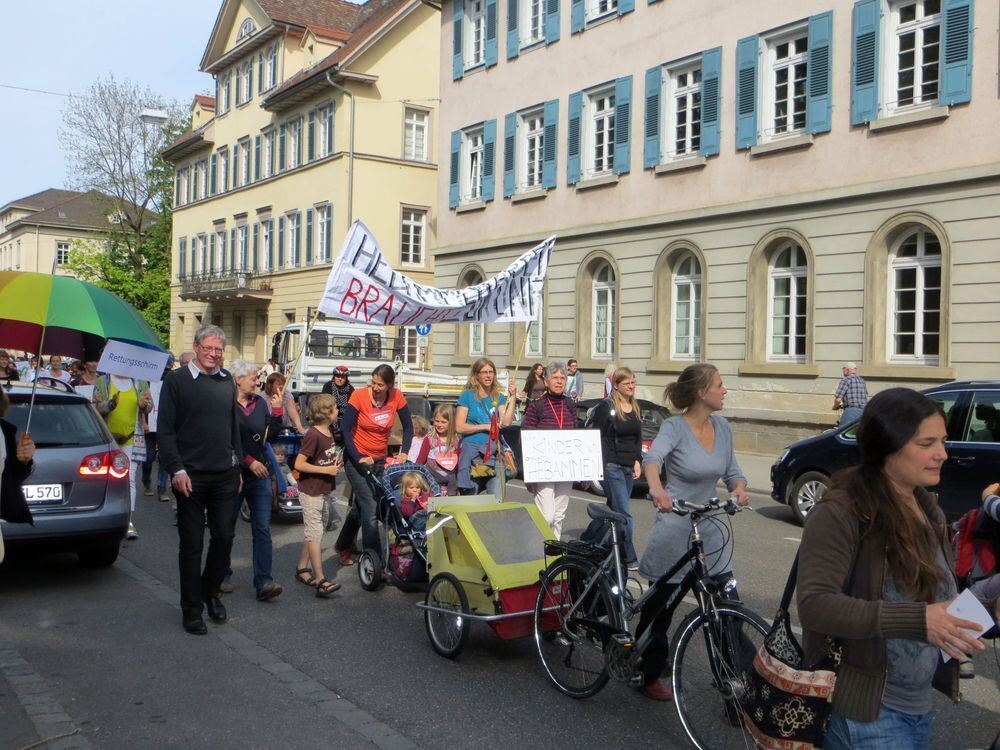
448	631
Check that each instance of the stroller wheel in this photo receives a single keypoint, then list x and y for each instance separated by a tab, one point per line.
245	511
370	570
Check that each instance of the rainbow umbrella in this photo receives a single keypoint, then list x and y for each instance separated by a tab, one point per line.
46	314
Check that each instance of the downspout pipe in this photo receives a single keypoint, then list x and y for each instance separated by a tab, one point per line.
350	152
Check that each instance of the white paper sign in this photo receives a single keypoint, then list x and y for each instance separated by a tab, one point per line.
130	361
363	287
561	455
85	390
967	607
154	392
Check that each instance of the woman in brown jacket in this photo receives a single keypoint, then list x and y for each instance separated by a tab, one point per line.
875	573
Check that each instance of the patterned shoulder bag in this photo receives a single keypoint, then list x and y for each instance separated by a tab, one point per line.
787	704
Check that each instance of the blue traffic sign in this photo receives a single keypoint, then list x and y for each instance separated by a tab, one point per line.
423	329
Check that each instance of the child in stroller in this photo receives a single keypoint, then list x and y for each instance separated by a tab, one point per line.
414	493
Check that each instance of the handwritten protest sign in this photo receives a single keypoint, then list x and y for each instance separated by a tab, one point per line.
130	361
561	455
363	287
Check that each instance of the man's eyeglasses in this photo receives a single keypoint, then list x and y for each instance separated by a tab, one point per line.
211	349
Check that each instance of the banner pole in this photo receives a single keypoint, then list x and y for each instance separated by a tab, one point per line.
295	363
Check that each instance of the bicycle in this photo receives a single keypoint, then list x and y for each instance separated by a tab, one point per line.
582	635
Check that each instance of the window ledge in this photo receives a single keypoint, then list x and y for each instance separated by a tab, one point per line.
888	371
529	195
599	181
528	45
803	140
470	206
594	365
909	118
679	165
788	369
603	18
670	366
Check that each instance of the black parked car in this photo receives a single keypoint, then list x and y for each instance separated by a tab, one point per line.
972	413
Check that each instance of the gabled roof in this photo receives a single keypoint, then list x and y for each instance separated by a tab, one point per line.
187	143
325	32
205	101
89	209
42	200
334	14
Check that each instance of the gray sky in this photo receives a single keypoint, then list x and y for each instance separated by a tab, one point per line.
63	46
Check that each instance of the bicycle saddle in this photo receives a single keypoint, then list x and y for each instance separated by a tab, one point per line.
604	513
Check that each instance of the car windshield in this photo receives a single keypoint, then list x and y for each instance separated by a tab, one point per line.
58	422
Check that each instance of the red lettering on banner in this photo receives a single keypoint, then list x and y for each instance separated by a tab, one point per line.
351	294
387	308
371	295
402	310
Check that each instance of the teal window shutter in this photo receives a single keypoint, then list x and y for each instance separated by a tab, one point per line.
194	256
489	158
239	81
328	221
298	238
256	158
625	6
210	260
329	129
298	143
747	52
819	99
234	157
182	257
271	242
281	241
190	184
232	249
573	138
229	92
212	172
177	188
309	236
456	158
550	142
260	73
651	131
623	125
577	19
218	100
457	16
551	21
513	37
256	246
509	152
222	252
865	61
311	135
491	33
956	58
281	148
711	101
250	80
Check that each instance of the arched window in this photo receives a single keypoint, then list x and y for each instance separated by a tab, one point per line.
246	29
788	274
603	331
685	333
470	338
915	298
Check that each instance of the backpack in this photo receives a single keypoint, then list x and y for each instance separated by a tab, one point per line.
976	546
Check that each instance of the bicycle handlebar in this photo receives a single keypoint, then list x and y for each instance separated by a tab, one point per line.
683	508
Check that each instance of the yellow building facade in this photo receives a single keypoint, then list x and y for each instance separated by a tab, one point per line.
324	113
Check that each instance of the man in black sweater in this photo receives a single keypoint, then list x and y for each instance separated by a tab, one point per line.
200	448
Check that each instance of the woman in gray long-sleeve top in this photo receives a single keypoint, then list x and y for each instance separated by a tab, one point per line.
697	450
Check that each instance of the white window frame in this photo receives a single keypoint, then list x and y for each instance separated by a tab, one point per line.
530	151
267	156
415	121
183	176
413	222
474	33
324	225
920	263
264	259
411	350
293	140
798	278
202	253
271	67
595	9
291	224
326	122
221	246
532	30
473	153
204	178
477	339
244	155
688	73
691	284
599	125
224	94
247	28
222	170
890	58
604	295
772	66
534	346
242	248
247	93
62	253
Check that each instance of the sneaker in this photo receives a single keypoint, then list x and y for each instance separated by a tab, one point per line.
632	567
226	587
966	669
268	592
345	557
147	491
655	690
165	497
132	533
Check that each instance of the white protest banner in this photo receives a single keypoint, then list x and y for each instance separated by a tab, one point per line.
561	455
131	361
154	392
364	288
85	390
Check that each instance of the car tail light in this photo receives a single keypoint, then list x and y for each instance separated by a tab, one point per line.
114	463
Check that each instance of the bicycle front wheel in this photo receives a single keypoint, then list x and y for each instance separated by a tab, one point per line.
572	624
713	654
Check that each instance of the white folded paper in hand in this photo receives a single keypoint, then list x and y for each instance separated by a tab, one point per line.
967	607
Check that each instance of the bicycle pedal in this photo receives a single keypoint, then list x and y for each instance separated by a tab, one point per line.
622	640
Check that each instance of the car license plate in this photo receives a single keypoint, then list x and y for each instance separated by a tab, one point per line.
39	494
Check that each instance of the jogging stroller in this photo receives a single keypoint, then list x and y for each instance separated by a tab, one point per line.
402	560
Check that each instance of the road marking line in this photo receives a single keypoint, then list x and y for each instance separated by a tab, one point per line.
301	684
795	539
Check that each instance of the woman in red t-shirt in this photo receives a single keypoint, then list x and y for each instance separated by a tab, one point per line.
365	426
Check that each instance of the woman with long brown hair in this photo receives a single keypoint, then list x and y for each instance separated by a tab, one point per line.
481	400
875	572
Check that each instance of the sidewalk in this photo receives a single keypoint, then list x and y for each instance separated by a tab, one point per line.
758	471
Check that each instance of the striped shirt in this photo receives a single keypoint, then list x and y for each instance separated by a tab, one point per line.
991	506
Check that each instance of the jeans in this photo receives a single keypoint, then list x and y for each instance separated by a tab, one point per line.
217	497
892	730
257	493
618	483
162	478
849	414
362	514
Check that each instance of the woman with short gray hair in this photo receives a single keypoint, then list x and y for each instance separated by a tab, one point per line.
553	410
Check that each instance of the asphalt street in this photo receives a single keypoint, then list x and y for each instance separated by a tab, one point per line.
98	659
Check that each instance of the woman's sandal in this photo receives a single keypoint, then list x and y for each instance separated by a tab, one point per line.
326	588
309	580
